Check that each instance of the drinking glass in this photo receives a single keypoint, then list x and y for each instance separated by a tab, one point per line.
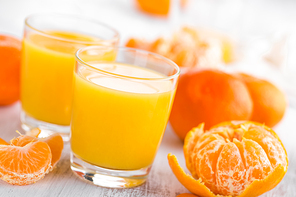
122	99
49	45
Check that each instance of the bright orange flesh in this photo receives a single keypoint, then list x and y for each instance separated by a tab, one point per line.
55	143
234	159
23	140
24	165
3	142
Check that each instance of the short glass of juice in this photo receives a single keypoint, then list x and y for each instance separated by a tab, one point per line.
48	58
121	108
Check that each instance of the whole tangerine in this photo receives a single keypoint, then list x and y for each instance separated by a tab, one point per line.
10	58
209	96
269	103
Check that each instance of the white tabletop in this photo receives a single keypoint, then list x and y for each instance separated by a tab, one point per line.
161	181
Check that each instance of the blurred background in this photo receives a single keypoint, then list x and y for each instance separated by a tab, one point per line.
262	33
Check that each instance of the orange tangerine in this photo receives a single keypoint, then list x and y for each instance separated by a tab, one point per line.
158	7
269	102
232	159
10	57
210	96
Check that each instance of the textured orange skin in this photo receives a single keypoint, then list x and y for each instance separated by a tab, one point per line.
256	188
186	195
209	96
269	103
158	7
10	58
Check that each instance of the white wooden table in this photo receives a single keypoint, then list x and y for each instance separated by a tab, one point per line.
161	181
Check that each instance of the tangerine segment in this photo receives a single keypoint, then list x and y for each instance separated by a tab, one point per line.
3	142
230	157
55	143
24	165
230	172
194	186
191	140
271	144
23	140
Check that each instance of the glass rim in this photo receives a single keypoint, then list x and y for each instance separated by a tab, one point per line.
114	39
170	62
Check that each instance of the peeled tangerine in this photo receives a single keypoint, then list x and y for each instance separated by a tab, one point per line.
232	159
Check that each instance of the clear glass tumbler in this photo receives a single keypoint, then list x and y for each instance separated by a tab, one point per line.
122	99
48	57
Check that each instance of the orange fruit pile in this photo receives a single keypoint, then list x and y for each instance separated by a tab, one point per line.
27	159
232	159
10	58
212	96
190	48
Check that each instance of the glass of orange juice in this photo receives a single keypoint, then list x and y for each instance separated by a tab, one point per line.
121	107
49	45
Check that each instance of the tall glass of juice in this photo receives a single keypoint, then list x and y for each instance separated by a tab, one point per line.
49	45
121	108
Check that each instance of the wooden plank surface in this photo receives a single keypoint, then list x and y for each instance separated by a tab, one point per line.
161	182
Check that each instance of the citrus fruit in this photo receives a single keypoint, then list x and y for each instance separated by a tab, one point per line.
24	165
138	43
55	143
190	47
158	7
186	195
209	96
269	103
3	142
242	159
10	58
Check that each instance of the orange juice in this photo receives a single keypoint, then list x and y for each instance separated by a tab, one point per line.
118	123
47	74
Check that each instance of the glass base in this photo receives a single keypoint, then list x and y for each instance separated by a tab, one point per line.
28	123
108	177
